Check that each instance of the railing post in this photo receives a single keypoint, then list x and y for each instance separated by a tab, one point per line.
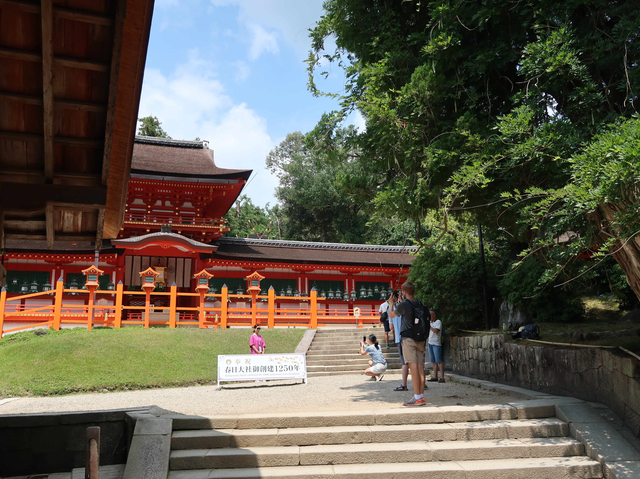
201	310
314	309
173	305
3	302
57	308
147	307
271	320
117	320
224	307
90	308
92	463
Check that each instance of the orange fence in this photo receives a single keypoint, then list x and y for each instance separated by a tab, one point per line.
149	309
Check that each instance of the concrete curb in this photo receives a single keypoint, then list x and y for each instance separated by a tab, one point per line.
305	342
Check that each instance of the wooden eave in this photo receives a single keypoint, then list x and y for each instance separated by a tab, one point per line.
70	84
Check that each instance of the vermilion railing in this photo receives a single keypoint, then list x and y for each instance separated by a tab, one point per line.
177	220
269	310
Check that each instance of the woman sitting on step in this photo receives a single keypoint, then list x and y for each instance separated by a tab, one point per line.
377	363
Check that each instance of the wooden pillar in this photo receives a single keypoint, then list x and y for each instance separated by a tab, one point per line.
314	310
201	314
117	320
173	305
3	302
147	307
271	321
92	290
224	307
57	309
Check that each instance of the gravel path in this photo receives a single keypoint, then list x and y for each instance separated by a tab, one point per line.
328	393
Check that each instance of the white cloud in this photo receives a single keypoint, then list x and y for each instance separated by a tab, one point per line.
191	102
242	71
261	41
290	18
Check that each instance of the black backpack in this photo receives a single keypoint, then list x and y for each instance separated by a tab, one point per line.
530	331
420	331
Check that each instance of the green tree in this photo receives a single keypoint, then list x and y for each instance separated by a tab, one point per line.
245	219
501	108
313	206
151	126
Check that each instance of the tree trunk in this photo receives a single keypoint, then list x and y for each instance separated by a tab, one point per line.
626	250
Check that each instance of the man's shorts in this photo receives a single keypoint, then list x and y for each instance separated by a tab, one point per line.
413	351
400	352
379	368
435	353
387	328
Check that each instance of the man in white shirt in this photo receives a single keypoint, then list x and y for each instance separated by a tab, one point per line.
435	348
384	309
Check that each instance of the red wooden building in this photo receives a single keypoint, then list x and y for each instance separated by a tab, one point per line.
173	223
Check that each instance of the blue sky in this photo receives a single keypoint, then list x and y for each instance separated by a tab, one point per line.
232	72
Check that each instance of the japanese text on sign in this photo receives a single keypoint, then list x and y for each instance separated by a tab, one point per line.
247	367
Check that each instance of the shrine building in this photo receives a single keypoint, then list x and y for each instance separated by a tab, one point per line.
173	222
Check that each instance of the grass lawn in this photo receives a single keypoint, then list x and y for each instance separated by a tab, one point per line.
77	360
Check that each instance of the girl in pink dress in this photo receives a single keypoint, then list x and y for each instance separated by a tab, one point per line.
256	343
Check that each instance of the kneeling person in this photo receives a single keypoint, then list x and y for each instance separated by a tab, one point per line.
377	363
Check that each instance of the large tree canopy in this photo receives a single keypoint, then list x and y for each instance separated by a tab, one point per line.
521	112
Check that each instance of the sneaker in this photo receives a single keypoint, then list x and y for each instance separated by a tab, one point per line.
379	378
432	380
372	378
415	402
441	380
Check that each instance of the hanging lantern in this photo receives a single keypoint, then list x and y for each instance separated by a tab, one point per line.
323	294
263	293
282	293
33	288
74	284
354	295
345	296
289	291
330	295
15	281
390	291
383	295
239	290
111	286
369	293
338	293
376	290
46	286
24	288
211	290
363	292
296	293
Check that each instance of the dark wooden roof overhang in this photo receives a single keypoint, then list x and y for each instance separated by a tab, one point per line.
70	82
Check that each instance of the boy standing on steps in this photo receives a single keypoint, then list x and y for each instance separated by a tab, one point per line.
395	322
435	348
412	350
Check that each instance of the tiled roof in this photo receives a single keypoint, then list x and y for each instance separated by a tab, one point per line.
248	249
181	158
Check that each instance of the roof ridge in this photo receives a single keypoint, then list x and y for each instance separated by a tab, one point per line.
317	245
154	140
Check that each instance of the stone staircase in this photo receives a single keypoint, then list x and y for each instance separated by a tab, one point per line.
454	442
337	351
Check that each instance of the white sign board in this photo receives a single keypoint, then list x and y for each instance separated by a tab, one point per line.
256	367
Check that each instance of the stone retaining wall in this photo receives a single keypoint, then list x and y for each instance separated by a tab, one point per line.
606	376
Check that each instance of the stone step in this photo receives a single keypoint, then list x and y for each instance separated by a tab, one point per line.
464	431
355	361
340	357
265	456
549	468
328	351
316	374
345	367
531	409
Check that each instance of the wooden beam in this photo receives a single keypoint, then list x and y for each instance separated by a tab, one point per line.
77	206
135	35
57	102
61	61
121	8
10	224
33	197
100	228
46	18
51	234
27	236
60	12
65	140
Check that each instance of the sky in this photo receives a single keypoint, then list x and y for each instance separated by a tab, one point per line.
232	72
